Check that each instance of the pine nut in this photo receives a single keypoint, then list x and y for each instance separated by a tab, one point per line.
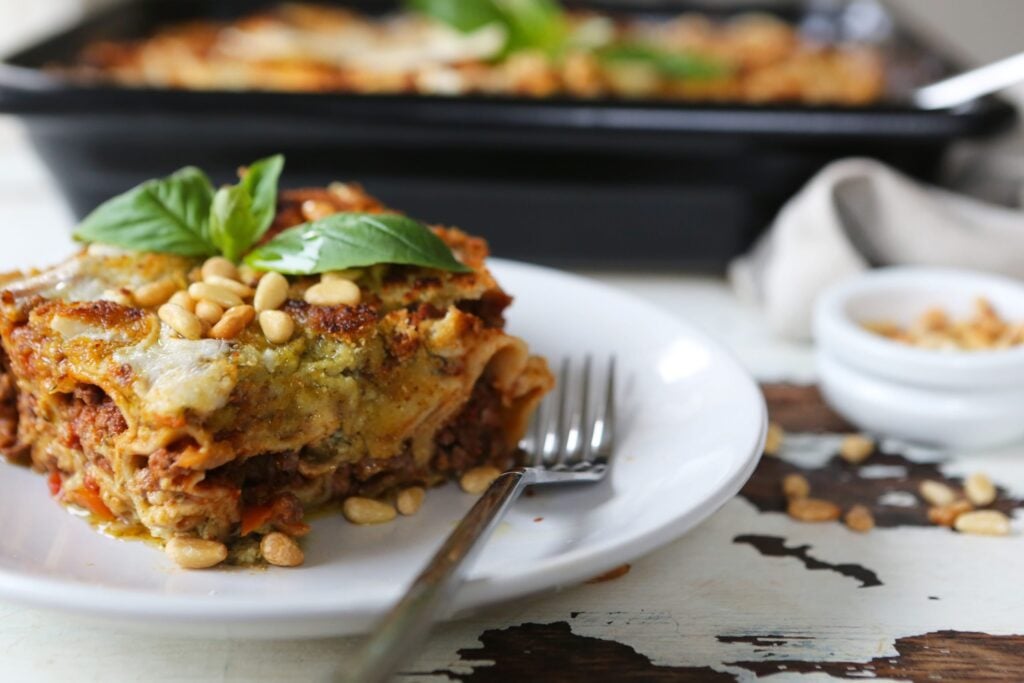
181	298
796	486
367	511
315	209
208	312
813	510
410	500
233	321
271	292
277	326
773	440
224	298
244	291
118	296
980	490
333	293
195	553
248	275
154	293
945	515
983	523
218	265
859	519
856	448
477	479
281	550
346	193
181	321
936	492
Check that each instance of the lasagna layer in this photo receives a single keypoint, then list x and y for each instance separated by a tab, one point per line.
227	440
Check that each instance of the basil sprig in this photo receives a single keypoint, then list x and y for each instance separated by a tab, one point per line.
354	240
538	24
171	215
181	214
675	65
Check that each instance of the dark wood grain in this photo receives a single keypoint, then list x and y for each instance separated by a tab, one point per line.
554	654
940	655
775	546
803	409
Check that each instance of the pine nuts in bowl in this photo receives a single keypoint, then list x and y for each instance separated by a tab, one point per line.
963	387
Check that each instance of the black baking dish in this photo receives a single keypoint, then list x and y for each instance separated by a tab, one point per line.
582	183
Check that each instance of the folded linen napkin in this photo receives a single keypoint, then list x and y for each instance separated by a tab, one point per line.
859	213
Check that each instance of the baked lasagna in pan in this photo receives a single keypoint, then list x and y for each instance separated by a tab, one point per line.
530	48
211	405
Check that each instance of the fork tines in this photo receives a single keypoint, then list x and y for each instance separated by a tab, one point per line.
573	429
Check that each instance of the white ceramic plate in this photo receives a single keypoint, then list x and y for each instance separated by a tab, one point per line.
691	426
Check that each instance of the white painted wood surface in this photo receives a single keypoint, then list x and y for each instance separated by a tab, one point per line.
670	607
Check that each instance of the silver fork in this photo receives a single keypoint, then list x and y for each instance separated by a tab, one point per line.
564	445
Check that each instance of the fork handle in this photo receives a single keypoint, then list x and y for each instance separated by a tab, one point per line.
399	634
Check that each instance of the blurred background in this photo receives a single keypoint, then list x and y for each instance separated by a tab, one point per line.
601	161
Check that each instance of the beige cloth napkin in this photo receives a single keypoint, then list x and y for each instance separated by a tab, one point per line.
859	213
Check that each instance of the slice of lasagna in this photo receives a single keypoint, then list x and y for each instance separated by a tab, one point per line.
217	430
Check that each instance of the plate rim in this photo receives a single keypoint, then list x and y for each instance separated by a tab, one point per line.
111	603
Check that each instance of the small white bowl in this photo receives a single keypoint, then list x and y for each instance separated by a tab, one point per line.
952	399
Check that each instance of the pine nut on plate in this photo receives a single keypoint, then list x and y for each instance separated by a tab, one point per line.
244	291
208	312
856	448
774	438
233	321
477	479
859	518
248	275
980	490
271	292
813	510
936	493
154	293
983	523
333	293
221	296
945	515
181	321
796	486
195	553
181	298
220	266
277	326
360	510
409	500
281	550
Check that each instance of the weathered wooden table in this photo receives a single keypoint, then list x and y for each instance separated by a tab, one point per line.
748	594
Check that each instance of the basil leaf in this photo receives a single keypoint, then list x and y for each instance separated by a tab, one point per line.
169	215
678	65
233	226
260	181
354	240
463	15
536	24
